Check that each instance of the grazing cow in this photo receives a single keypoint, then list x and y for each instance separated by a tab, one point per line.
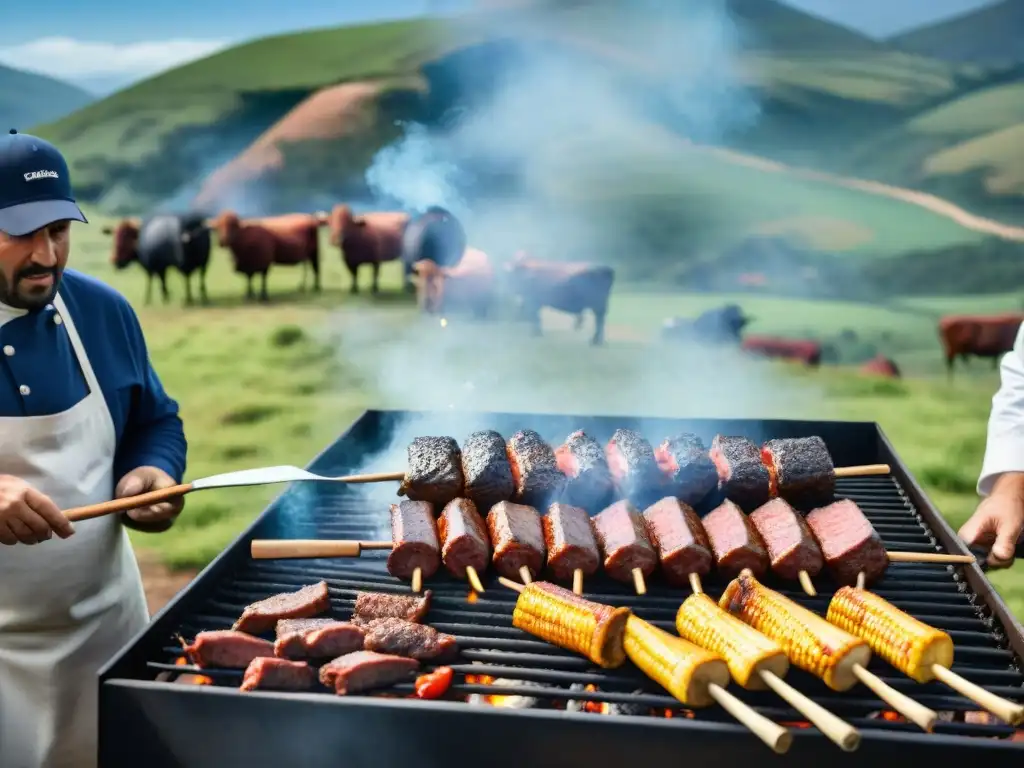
257	244
568	287
722	325
989	336
797	350
161	243
880	365
437	236
467	286
371	238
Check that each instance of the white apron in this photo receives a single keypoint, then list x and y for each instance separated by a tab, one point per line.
66	606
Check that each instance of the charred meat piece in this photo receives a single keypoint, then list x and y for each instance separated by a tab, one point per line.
849	543
365	670
570	543
538	481
404	638
305	603
790	544
623	541
801	471
742	476
414	540
486	469
227	648
434	470
269	674
517	538
679	539
735	542
634	468
589	483
464	541
381	605
687	466
316	638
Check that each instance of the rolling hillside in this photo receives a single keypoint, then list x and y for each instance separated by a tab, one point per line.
990	36
27	99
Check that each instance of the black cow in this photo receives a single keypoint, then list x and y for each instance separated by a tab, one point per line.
164	242
435	235
722	325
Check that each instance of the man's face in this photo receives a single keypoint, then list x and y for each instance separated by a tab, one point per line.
31	265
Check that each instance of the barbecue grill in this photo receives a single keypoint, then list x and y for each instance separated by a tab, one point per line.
515	700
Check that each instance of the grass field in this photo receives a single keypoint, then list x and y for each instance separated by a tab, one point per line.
261	385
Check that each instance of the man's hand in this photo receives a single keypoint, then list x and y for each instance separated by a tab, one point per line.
999	521
28	516
156	517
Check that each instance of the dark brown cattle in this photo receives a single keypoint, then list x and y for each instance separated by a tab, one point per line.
371	238
880	365
571	287
989	336
797	350
257	244
468	286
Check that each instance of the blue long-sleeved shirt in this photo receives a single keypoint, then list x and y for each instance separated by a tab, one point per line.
40	375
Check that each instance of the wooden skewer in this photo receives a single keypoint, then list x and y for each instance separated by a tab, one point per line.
862	580
524	574
930	557
836	729
918	714
864	470
417	580
695	584
474	579
1004	709
805	582
638	582
577	581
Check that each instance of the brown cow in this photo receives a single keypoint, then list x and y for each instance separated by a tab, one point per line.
570	287
797	350
467	286
371	238
979	335
257	244
880	365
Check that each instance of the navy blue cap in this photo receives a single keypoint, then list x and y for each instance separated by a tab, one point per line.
35	186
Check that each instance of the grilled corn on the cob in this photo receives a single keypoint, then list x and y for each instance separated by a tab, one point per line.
809	641
908	644
568	621
747	652
681	668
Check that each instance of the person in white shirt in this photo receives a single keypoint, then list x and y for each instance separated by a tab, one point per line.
999	520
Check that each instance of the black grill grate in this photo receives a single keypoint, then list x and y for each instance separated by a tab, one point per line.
937	594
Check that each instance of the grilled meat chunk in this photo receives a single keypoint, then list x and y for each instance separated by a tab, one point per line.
365	670
405	638
570	543
634	468
414	540
690	472
269	674
679	539
381	605
262	616
299	639
734	541
517	538
227	648
589	483
742	476
790	544
538	480
464	541
849	543
486	469
801	471
434	471
623	541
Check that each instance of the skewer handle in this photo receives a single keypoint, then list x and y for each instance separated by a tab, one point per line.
865	470
577	581
474	579
417	580
930	557
373	477
862	580
510	584
1004	709
287	549
807	584
771	733
638	582
839	731
918	714
524	574
695	584
75	514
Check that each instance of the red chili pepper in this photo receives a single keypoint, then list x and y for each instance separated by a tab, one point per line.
434	684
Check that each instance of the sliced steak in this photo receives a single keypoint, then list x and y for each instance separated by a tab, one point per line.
414	540
305	603
569	540
464	541
788	539
404	638
381	605
227	648
365	670
517	538
316	638
849	543
679	539
734	541
623	541
270	674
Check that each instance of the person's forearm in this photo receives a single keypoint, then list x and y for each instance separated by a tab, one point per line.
1010	485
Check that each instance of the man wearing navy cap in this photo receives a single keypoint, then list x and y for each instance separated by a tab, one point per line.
83	419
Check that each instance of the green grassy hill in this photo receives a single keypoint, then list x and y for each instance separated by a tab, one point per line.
991	35
27	99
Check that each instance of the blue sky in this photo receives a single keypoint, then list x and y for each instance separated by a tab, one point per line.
107	44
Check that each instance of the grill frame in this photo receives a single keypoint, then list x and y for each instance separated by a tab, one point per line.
144	720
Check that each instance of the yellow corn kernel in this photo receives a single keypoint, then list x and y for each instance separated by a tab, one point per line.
809	641
908	644
681	668
747	652
560	617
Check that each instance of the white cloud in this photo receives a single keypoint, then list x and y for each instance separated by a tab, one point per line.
81	61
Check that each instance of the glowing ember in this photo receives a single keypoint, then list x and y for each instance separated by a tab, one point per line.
472	597
190	679
512	702
892	717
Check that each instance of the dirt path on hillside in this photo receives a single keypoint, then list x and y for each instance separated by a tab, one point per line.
936	205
